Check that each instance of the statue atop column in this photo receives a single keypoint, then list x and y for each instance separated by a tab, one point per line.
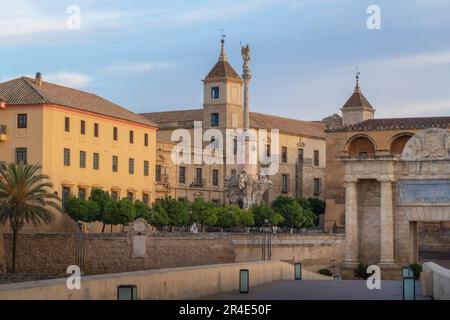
246	187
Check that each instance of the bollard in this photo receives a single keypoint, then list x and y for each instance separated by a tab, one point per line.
298	271
127	292
244	281
409	288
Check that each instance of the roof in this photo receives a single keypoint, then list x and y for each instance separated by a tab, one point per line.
222	69
175	116
24	91
357	99
396	123
257	121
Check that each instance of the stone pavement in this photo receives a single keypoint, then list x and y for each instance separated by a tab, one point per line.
321	290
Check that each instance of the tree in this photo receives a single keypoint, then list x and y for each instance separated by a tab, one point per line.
142	211
120	212
204	213
159	217
103	200
317	205
225	217
177	212
244	218
81	210
295	216
25	197
262	212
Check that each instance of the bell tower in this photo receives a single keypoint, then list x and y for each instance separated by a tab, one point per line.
222	95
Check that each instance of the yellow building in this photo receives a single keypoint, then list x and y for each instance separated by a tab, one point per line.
81	140
301	144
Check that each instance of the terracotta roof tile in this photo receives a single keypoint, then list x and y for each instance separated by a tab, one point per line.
396	124
357	99
222	69
257	120
24	91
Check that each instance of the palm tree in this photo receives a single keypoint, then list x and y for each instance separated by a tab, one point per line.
25	197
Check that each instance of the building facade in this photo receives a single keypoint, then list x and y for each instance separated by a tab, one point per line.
388	179
301	143
82	142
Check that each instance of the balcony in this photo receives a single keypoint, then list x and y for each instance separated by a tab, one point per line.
2	132
198	183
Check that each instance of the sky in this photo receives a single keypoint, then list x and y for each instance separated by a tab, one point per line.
152	55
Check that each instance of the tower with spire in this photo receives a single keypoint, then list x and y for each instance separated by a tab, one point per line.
222	95
357	108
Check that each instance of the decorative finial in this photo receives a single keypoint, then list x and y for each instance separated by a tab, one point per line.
223	56
357	88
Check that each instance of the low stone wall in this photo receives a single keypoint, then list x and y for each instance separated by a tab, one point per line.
177	283
110	253
438	283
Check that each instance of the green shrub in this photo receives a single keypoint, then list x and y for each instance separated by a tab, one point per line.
416	270
361	271
325	272
262	212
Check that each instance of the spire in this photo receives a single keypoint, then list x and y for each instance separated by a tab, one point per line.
223	55
357	88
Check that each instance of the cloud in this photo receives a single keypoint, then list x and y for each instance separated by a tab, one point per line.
420	108
422	59
139	67
69	79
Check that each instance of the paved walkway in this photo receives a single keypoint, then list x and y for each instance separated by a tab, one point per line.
321	290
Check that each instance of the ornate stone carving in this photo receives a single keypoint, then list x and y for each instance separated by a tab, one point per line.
428	144
244	190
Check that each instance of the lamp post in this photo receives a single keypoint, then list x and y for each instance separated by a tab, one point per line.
266	241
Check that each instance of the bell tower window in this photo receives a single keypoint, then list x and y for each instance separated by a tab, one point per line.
214	93
214	119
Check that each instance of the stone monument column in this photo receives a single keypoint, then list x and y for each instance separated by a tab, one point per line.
386	223
351	223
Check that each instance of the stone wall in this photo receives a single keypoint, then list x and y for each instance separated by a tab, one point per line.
110	253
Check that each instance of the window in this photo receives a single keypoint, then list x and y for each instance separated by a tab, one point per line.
131	166
235	145
146	166
145	199
82	193
158	173
96	130
114	195
65	193
198	176
214	119
364	154
95	161
284	183
130	196
316	158
83	127
301	154
66	157
268	152
82	159
182	175
284	154
214	92
66	124
21	155
215	177
115	163
22	121
131	136
317	186
115	133
145	139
